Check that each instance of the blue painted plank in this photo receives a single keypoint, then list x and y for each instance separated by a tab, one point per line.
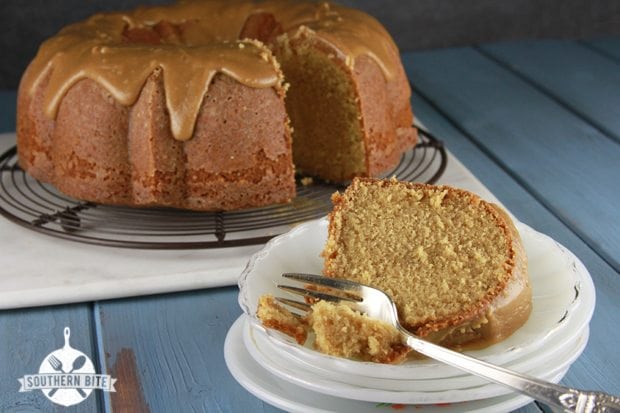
576	76
569	166
27	337
598	366
169	351
608	46
8	104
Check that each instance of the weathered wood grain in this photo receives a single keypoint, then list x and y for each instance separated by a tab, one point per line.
170	349
568	165
577	77
608	46
27	336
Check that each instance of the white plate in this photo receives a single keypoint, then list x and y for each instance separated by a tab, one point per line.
292	398
547	370
563	293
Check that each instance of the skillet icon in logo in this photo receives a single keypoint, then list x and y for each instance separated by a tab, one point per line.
66	376
69	361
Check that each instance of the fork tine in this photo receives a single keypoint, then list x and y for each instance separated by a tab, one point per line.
317	294
295	304
54	362
326	281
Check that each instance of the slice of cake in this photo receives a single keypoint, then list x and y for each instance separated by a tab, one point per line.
453	263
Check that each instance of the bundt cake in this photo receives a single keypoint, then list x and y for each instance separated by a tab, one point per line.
192	105
453	263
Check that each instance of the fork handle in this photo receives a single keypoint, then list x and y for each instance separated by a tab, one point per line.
566	398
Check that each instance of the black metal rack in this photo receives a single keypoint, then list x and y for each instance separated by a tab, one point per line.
40	207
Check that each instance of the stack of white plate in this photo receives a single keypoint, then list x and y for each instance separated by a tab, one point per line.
297	378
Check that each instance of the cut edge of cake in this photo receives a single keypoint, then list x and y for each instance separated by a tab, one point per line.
491	318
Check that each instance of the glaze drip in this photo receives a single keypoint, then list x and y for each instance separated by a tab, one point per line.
190	42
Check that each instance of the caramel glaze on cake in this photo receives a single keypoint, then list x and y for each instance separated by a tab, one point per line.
453	263
184	105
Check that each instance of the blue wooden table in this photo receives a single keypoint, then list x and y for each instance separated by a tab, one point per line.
538	122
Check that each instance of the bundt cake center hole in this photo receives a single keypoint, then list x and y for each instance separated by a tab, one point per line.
261	26
163	32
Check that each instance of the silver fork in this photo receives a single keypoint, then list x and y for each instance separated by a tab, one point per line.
378	305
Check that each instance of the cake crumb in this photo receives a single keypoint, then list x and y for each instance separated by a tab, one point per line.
275	316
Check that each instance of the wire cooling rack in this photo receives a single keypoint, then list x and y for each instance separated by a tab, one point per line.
40	207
